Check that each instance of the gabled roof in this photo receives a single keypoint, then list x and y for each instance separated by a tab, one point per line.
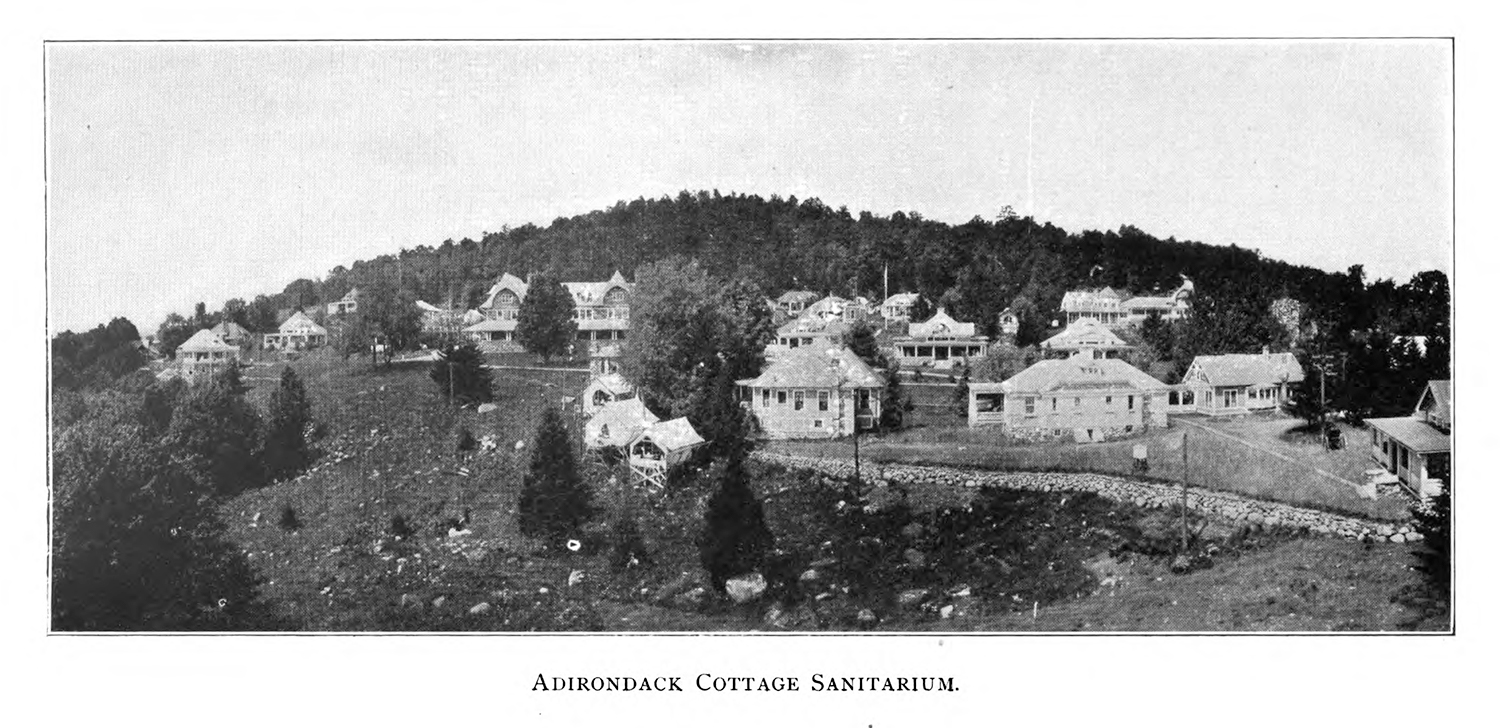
205	340
507	282
829	305
1085	332
1234	370
1415	434
352	295
901	299
1164	302
300	323
593	292
493	325
813	367
813	325
473	317
941	325
671	436
612	383
1101	300
429	308
625	419
1079	372
230	330
791	296
1441	393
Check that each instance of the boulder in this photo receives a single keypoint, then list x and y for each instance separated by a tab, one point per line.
912	597
488	407
745	588
480	608
575	578
1398	538
1181	564
439	602
810	575
866	618
410	602
777	617
946	612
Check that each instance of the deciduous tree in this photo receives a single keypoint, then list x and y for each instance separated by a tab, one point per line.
545	324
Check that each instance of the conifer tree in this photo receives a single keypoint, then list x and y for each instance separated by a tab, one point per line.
735	538
545	324
862	343
220	433
461	373
288	416
1434	520
554	500
893	404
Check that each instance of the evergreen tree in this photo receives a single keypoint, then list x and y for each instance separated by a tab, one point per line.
894	404
157	403
554	500
386	315
461	373
735	538
862	342
717	415
288	416
961	392
921	310
545	324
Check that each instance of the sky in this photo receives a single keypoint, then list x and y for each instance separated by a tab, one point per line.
188	172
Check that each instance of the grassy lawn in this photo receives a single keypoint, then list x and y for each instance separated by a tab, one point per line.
1213	462
1087	563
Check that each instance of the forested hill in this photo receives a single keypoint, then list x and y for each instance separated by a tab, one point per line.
977	268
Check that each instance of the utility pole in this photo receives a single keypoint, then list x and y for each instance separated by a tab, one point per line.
1184	490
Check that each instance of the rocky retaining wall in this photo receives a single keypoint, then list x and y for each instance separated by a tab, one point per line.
1117	488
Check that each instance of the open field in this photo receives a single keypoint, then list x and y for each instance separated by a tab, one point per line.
1213	462
1085	562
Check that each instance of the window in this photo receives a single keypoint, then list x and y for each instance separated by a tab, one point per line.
1404	461
1054	404
989	402
1109	399
817	424
797	400
1030	405
1130	402
822	401
1173	398
1187	397
781	396
604	430
765	398
1129	428
1077	402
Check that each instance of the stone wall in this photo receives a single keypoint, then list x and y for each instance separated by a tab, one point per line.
1121	489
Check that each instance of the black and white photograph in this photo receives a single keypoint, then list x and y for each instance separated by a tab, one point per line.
771	336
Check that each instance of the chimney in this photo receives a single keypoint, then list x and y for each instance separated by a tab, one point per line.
1265	351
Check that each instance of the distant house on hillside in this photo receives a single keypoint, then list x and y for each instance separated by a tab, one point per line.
1111	307
234	334
898	306
602	390
660	446
838	308
1230	384
814	392
1080	397
1418	449
939	342
297	333
600	309
348	304
445	322
808	331
205	352
1086	335
1010	324
792	303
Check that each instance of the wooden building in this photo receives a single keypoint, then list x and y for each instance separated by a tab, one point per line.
1418	449
814	392
1080	397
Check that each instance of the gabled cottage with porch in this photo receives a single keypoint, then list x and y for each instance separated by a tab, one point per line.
616	423
1080	397
205	352
939	342
1418	449
660	446
792	303
814	392
297	333
1237	384
601	311
898	306
1089	336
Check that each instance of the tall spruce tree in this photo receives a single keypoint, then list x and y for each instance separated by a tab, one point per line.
460	374
554	500
862	342
1434	520
735	538
545	324
288	416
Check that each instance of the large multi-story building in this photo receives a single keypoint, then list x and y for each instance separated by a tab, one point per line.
1115	308
939	342
601	310
1080	397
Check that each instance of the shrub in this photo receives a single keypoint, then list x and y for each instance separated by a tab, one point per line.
399	528
735	538
288	521
461	375
628	545
288	417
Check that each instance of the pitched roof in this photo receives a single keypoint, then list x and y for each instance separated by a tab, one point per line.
1413	433
300	323
612	383
493	325
1079	372
672	435
429	308
607	351
230	330
1233	370
813	325
791	296
507	282
940	325
1150	302
1441	391
351	295
625	419
813	367
593	292
205	340
1104	299
1085	331
901	299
